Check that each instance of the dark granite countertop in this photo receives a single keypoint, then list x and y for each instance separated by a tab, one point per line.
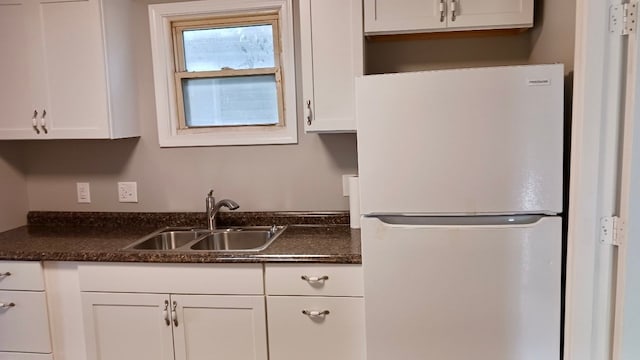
53	236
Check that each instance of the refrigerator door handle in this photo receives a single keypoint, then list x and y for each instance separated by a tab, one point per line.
463	221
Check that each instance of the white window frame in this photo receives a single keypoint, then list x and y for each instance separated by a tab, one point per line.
162	48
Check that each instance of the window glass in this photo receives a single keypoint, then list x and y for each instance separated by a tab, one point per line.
243	47
231	101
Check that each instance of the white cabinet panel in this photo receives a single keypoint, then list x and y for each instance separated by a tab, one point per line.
492	13
62	80
236	279
220	327
332	56
410	16
402	16
21	275
17	99
127	326
338	335
315	280
24	322
76	72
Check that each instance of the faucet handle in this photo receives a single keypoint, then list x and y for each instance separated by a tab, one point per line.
210	193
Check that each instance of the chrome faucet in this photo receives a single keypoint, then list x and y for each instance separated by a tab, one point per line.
213	208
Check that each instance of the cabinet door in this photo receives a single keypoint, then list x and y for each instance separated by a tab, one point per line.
219	327
332	56
24	322
490	13
398	16
19	68
127	326
338	335
72	40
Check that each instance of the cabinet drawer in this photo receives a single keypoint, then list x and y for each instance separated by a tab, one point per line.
24	356
339	335
24	326
320	280
21	275
213	279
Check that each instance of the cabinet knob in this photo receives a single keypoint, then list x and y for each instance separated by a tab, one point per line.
6	274
34	122
7	306
316	314
308	113
314	278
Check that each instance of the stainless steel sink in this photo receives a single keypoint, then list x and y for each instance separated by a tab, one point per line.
254	239
249	238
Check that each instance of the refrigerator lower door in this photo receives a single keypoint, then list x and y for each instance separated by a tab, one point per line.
464	141
462	290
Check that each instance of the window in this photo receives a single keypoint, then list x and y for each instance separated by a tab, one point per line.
223	72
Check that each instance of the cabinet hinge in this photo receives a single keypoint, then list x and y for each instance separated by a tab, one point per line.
623	18
611	230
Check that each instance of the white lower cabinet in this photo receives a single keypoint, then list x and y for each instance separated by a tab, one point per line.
24	319
180	327
315	312
191	326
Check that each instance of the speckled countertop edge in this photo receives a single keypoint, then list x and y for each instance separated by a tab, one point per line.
62	236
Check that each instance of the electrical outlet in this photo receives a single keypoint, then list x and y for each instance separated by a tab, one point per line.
128	192
84	193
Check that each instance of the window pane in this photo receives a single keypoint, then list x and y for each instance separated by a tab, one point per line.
231	101
244	47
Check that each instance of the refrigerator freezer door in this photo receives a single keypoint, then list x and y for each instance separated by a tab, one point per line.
470	141
482	292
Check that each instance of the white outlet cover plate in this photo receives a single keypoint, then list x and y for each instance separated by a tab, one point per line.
128	192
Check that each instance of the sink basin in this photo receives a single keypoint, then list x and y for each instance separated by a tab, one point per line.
239	239
250	238
168	240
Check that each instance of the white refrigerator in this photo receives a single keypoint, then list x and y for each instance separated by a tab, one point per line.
461	188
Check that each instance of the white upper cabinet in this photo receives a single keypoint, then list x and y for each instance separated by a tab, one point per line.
409	16
332	56
69	74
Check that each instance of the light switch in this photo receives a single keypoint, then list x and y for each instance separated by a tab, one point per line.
84	193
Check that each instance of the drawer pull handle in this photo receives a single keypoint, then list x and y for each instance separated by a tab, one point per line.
316	314
174	314
5	274
165	312
314	278
7	306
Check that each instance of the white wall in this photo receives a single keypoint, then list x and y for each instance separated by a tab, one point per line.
13	188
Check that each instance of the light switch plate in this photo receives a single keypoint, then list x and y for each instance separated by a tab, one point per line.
128	192
83	192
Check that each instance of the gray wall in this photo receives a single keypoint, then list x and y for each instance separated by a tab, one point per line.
13	188
306	176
